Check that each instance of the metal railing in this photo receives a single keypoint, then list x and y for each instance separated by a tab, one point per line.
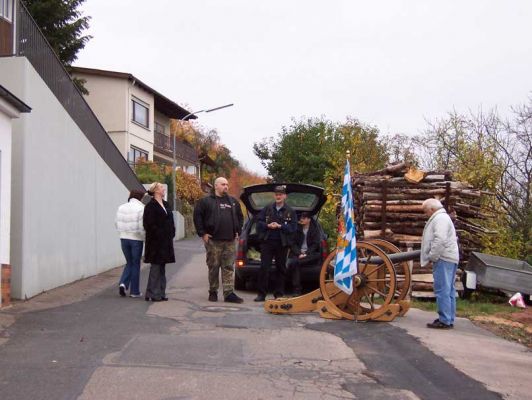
164	144
31	43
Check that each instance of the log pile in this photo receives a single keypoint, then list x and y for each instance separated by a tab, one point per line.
388	205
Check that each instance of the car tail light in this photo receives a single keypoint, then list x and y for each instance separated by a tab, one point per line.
240	253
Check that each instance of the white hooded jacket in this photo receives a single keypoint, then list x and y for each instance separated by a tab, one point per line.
128	220
439	239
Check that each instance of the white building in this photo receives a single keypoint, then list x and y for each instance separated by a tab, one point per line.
68	177
10	108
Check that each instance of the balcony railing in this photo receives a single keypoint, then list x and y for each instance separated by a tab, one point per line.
32	44
164	144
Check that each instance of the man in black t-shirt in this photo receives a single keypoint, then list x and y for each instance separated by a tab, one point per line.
218	220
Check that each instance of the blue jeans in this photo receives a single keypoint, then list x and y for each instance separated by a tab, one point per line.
132	250
444	273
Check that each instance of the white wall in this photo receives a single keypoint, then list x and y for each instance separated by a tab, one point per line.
6	113
64	196
5	185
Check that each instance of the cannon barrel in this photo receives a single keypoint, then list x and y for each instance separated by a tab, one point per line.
395	258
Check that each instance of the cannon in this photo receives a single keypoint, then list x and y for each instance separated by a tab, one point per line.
381	287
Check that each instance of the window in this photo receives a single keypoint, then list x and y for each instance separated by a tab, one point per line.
141	113
160	128
135	155
301	201
6	9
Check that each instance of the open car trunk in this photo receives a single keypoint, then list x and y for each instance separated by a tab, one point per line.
300	197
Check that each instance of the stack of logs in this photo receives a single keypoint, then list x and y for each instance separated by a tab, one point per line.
388	206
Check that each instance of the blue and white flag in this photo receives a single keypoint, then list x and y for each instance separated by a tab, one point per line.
346	258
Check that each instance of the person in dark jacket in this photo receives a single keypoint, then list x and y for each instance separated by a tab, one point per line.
158	222
218	220
276	224
304	251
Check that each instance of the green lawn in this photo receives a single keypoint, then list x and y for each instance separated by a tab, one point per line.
482	304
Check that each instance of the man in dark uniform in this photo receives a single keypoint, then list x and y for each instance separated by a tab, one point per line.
276	224
305	250
218	220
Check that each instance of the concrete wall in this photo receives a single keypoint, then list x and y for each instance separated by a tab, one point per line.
64	196
6	113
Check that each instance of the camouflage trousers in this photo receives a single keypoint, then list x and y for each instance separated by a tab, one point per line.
221	255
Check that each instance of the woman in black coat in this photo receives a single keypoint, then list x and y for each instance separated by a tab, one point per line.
160	231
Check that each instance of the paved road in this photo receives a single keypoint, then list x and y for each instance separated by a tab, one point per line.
84	342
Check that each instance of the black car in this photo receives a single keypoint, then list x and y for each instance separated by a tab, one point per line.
301	198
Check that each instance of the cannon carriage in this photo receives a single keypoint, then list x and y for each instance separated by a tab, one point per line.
381	287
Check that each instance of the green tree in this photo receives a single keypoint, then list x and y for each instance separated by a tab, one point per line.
63	25
313	151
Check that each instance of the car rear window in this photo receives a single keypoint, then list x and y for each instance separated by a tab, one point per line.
298	201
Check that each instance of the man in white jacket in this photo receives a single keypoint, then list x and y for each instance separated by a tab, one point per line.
129	224
439	245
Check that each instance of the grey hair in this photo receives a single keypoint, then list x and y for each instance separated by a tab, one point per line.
432	204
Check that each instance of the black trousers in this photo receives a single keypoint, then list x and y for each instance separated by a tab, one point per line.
156	288
294	265
270	250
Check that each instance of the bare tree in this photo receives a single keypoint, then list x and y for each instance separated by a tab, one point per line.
490	153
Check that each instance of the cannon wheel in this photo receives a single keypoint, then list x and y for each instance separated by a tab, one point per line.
374	285
403	275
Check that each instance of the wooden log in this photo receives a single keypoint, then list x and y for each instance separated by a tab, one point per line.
406	238
390	169
405	184
406	190
425	278
395	208
472	227
397	196
372	215
372	234
399	230
395	202
421	286
395	224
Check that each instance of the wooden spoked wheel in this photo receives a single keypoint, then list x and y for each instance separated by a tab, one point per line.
374	284
403	275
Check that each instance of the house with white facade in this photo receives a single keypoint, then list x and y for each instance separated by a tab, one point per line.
137	118
11	107
67	176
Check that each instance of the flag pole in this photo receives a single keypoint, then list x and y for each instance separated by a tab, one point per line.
353	295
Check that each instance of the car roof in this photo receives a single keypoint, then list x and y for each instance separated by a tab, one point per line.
301	197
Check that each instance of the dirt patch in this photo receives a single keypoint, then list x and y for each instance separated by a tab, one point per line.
516	326
525	316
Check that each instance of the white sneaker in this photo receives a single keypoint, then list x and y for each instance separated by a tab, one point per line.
136	295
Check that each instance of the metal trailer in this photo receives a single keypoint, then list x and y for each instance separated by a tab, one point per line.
494	272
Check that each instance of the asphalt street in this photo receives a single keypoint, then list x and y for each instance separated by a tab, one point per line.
83	341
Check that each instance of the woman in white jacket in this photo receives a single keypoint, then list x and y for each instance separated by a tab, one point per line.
129	224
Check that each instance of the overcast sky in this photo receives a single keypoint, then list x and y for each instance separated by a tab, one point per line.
392	63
